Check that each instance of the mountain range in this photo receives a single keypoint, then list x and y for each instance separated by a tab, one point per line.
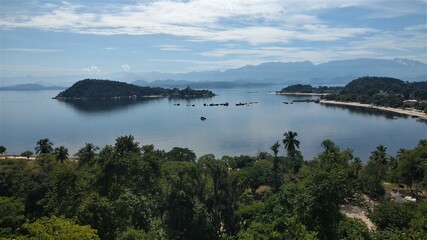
332	72
30	87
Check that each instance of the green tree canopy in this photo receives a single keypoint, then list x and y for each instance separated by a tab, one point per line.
57	228
44	146
61	153
181	155
2	149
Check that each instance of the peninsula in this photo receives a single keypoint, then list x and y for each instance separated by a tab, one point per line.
382	93
107	89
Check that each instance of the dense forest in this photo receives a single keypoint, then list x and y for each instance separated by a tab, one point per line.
106	89
306	88
128	191
383	91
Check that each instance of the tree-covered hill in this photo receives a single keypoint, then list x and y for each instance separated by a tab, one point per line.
382	91
106	89
306	88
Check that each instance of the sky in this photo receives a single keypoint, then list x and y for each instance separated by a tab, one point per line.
51	38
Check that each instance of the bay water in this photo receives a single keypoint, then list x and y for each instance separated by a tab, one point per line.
231	130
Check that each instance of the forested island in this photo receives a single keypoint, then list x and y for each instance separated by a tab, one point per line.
306	88
107	89
127	191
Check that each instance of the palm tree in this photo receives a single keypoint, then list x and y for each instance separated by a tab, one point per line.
380	155
290	142
87	154
275	148
44	146
276	179
61	153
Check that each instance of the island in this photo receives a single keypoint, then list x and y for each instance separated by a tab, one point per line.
107	89
308	90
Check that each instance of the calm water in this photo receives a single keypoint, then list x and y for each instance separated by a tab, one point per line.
29	116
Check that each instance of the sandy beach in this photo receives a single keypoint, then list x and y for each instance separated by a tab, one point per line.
17	157
409	112
301	94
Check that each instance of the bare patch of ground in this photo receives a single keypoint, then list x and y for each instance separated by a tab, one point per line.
352	211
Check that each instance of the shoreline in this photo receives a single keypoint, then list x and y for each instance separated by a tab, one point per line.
300	94
411	113
4	157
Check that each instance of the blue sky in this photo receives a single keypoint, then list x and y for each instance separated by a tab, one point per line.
49	38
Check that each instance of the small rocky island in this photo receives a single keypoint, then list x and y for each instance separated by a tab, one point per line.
107	89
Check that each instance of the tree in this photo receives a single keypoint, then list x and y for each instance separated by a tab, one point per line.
411	166
126	145
181	155
127	169
389	214
352	228
61	153
380	155
11	215
375	172
44	146
57	228
66	192
2	149
98	212
218	173
132	211
276	178
27	154
87	154
257	175
275	148
291	144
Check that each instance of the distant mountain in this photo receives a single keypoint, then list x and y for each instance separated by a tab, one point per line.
30	87
332	72
106	89
199	85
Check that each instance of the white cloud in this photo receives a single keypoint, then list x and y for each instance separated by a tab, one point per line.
167	47
92	70
125	68
253	21
255	30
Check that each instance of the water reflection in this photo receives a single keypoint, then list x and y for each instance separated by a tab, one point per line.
95	106
367	111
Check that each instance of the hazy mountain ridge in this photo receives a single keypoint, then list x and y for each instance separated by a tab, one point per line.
30	87
332	72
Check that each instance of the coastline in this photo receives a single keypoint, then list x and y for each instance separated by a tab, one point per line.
300	94
412	113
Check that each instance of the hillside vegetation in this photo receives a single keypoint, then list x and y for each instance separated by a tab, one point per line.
106	89
306	88
128	191
383	91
